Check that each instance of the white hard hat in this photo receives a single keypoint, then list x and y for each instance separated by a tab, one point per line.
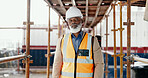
73	12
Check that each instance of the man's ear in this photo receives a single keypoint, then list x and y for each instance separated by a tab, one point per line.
82	21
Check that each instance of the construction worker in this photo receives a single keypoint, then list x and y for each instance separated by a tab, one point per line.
78	54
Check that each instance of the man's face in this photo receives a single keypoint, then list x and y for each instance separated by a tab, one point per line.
74	22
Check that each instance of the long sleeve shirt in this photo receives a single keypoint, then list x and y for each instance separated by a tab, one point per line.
98	60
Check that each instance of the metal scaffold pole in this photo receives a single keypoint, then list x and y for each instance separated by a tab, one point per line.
100	30
93	31
28	39
18	61
48	50
106	55
128	36
96	30
114	30
121	48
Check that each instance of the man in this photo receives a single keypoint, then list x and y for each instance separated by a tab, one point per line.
75	57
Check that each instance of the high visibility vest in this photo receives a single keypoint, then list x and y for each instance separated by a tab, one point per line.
75	65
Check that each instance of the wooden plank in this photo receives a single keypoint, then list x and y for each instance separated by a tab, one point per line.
80	2
49	4
97	11
61	4
73	2
86	17
57	6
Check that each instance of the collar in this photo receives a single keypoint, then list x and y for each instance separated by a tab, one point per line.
81	34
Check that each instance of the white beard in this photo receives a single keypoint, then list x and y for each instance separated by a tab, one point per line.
75	30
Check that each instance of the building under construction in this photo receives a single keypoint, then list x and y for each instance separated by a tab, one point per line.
121	27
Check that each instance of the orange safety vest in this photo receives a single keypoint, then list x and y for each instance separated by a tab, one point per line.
77	66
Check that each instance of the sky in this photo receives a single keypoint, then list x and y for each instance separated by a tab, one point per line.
14	12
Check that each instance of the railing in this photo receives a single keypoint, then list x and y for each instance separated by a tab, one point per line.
12	58
143	60
132	57
108	52
136	58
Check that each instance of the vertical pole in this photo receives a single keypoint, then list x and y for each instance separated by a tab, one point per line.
93	31
48	51
28	38
115	58
18	59
96	30
25	47
121	48
59	27
100	30
6	63
128	36
106	56
24	37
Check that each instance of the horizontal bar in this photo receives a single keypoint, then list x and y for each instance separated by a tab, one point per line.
103	51
11	58
143	60
42	28
52	53
80	6
108	52
38	48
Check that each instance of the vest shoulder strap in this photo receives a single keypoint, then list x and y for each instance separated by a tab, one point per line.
62	38
93	55
92	47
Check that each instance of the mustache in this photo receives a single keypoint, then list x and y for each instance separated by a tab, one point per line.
74	24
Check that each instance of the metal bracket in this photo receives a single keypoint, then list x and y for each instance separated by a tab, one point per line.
115	55
114	30
106	34
106	71
121	55
130	58
31	23
29	56
25	58
120	29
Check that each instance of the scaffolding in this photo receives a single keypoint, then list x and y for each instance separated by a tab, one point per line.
115	55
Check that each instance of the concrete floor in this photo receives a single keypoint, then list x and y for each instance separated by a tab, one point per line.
12	73
23	76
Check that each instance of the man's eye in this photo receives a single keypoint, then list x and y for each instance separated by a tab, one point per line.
72	20
77	19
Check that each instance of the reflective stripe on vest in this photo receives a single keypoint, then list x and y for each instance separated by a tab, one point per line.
67	74
84	63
